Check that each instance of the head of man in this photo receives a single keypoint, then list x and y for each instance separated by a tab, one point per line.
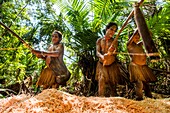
111	28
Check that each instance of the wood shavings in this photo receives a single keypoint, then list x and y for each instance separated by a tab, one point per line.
55	101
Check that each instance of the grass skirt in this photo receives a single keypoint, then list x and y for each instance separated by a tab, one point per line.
56	73
46	78
141	72
110	73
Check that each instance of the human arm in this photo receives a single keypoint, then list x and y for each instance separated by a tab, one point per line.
109	57
113	47
140	43
52	52
44	54
98	49
38	54
55	50
131	40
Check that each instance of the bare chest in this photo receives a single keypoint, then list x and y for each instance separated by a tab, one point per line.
105	44
53	48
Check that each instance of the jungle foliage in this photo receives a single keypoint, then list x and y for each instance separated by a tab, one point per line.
82	22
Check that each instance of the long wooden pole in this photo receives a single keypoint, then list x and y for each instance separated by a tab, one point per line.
6	27
144	32
108	59
128	18
123	26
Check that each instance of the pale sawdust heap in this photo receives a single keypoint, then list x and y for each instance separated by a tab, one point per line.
54	101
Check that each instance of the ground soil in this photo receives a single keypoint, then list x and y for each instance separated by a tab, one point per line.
55	101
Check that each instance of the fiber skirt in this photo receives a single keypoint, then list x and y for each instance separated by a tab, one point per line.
47	77
141	72
111	73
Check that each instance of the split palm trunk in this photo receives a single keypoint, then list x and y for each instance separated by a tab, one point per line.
144	32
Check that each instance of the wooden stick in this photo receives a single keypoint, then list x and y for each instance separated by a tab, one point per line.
6	27
148	54
108	58
128	18
144	31
126	22
8	48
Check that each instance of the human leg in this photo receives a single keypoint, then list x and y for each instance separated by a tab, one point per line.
113	90
45	86
147	90
139	87
101	86
55	85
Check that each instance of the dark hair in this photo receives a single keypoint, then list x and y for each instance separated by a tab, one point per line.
110	24
58	32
